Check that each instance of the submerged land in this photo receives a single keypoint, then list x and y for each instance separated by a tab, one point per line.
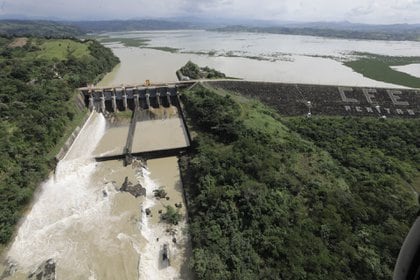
379	67
267	194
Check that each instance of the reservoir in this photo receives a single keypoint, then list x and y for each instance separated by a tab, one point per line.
91	229
250	56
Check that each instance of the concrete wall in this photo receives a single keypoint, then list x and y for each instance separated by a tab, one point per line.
80	105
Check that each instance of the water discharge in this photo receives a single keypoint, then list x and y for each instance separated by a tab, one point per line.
92	230
66	206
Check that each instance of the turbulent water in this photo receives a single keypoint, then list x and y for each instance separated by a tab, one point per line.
66	206
93	231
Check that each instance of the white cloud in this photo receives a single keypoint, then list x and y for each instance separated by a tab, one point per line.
369	11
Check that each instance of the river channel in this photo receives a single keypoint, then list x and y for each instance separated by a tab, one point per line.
89	228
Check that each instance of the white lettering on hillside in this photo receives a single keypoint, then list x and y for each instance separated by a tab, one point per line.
379	110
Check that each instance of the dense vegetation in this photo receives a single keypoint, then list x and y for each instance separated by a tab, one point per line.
378	67
36	108
296	198
193	71
379	33
37	28
128	42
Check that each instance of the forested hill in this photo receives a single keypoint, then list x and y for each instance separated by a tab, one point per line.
65	29
38	28
393	33
38	78
60	29
129	25
271	197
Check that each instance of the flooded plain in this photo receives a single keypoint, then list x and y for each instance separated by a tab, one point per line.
410	69
250	56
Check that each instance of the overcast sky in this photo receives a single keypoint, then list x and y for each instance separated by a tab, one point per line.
365	11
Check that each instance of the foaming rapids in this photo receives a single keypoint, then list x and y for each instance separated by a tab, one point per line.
65	203
151	266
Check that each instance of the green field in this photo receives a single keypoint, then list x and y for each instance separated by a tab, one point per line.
378	67
62	48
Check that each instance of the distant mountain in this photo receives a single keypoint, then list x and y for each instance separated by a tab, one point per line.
47	28
129	25
37	28
397	32
345	25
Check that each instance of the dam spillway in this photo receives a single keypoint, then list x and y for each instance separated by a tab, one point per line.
130	98
157	126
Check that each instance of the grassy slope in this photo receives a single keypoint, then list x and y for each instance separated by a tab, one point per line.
270	204
60	49
378	68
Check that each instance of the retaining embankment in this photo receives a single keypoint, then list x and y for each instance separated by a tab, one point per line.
80	105
300	99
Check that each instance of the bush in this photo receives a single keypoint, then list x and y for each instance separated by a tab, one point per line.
171	215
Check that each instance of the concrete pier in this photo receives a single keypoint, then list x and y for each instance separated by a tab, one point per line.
168	96
103	108
124	98
158	98
148	100
136	103
114	102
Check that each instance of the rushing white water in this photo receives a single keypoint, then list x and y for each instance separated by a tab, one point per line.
65	204
151	266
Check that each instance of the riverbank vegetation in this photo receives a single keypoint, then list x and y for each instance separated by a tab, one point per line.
37	106
296	198
128	42
378	67
195	72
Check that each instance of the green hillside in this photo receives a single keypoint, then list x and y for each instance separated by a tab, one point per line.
296	198
37	108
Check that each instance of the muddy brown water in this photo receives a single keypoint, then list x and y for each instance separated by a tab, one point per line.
94	231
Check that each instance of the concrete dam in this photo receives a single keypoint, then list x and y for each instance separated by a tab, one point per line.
157	126
289	99
162	102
